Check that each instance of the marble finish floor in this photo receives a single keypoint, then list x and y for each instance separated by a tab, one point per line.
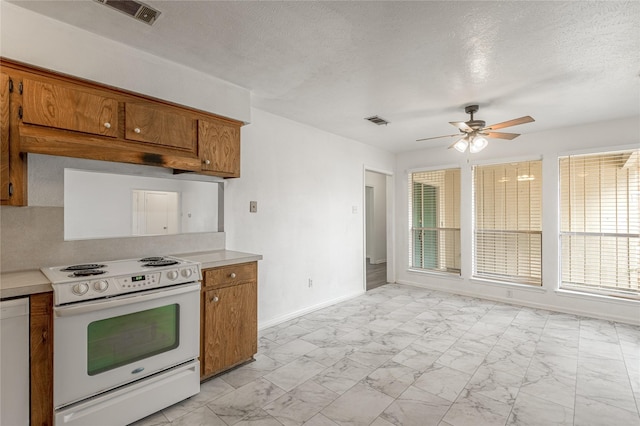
400	355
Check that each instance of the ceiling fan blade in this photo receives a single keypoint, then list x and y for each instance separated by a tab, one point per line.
461	125
437	137
501	135
514	122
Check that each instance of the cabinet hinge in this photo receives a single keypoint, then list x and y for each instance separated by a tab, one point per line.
20	112
20	87
10	86
10	189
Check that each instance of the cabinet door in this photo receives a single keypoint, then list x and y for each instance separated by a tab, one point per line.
69	108
41	342
230	327
219	147
4	136
154	124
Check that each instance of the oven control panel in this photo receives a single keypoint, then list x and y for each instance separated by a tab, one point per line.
109	286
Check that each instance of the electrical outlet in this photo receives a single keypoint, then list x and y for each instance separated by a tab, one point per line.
509	294
310	283
253	206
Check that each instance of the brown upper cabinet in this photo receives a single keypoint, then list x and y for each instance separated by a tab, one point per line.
149	123
45	112
219	147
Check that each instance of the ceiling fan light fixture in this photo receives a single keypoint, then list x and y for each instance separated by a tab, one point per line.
461	145
478	144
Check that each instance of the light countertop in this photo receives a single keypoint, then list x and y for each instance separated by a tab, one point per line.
24	283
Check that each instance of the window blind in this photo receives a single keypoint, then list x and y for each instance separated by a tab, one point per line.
508	222
434	218
600	225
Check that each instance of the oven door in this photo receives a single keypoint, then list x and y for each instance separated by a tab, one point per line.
100	345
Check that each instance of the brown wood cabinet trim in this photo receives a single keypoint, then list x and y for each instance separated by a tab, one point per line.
17	163
69	144
41	358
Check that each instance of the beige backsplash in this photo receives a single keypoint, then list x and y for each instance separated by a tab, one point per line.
33	237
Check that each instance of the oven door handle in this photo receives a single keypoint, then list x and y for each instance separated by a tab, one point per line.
97	305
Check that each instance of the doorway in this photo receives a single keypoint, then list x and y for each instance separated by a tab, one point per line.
376	218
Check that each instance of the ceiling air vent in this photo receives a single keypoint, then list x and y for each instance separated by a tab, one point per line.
377	120
135	9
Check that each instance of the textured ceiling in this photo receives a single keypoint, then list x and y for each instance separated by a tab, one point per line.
416	64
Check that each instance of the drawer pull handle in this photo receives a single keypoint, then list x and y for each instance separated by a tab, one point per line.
214	299
207	162
232	275
137	130
107	125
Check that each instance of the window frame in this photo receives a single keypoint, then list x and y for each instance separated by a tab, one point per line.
496	279
585	291
410	228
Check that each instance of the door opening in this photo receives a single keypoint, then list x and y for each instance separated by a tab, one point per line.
376	217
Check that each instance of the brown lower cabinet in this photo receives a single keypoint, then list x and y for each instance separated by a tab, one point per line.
229	323
41	358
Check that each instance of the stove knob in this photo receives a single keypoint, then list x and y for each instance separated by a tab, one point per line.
187	273
101	285
172	275
80	289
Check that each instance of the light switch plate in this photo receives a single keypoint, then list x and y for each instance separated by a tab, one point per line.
253	206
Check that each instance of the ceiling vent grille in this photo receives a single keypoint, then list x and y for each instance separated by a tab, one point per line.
377	120
135	9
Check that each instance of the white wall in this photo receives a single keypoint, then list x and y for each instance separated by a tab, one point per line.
307	183
38	40
549	145
377	247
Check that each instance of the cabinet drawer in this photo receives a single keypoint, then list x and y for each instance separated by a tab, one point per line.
230	275
65	107
153	124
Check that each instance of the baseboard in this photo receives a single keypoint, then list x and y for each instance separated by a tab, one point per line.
284	318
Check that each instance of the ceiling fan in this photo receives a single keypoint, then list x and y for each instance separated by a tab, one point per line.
475	132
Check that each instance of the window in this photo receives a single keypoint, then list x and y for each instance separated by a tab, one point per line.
508	222
434	208
599	226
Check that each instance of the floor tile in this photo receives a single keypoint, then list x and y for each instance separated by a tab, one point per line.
342	375
329	355
300	404
475	410
616	393
249	372
392	378
589	412
236	405
281	335
417	356
202	416
360	405
258	418
294	373
416	407
320	420
443	382
553	387
495	384
531	411
289	351
461	360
